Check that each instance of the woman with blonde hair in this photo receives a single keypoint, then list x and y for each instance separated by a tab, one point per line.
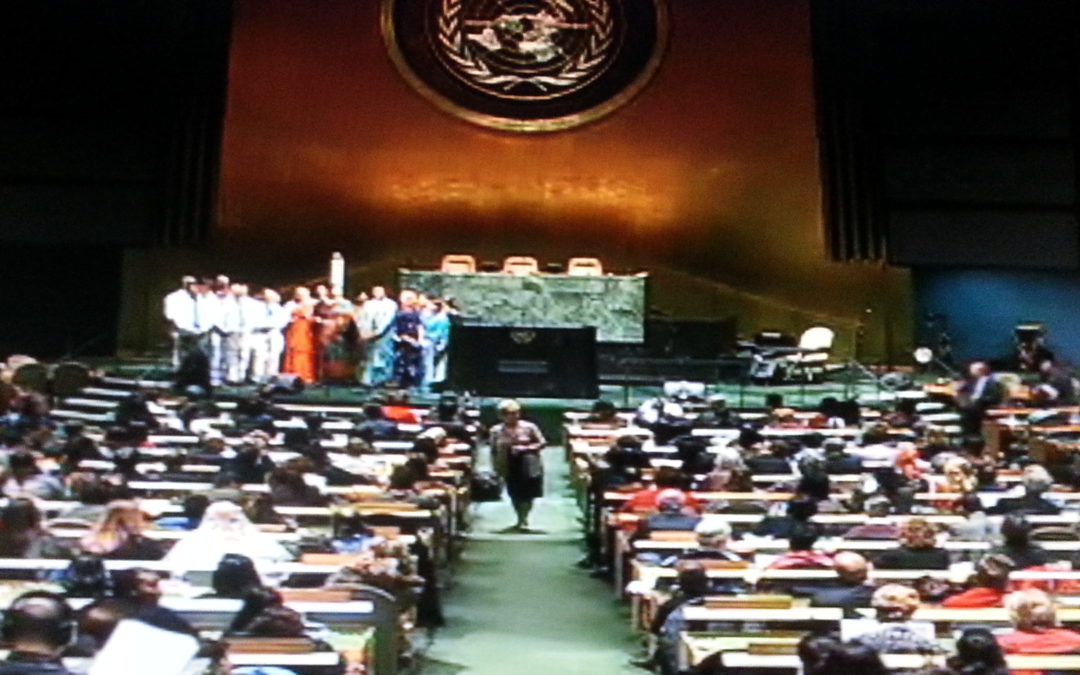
516	445
1033	615
894	605
918	549
118	536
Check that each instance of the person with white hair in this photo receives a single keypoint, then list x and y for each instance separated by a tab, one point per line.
1033	615
1036	480
224	529
713	537
894	605
516	445
268	336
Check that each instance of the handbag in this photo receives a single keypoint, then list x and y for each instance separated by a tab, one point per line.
486	486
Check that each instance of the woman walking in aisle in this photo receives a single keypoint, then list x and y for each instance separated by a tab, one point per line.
515	450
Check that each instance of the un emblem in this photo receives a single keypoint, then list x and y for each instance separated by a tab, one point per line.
527	65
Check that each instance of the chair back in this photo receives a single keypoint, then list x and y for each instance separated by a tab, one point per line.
817	338
520	264
585	267
458	263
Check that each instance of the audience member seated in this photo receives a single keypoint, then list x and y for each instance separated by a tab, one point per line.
775	459
264	614
851	589
194	508
1017	545
977	653
802	555
718	416
86	577
21	533
118	536
140	590
666	478
1035	480
987	585
76	447
896	633
671	515
693	452
96	622
729	473
848	658
814	484
288	488
604	414
224	529
25	479
251	464
692	584
837	460
713	536
234	577
387	565
376	427
624	464
1033	615
37	627
877	524
918	549
976	526
812	650
799	512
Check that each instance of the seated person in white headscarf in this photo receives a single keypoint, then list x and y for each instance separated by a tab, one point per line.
225	529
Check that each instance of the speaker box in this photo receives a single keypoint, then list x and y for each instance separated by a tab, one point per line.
523	361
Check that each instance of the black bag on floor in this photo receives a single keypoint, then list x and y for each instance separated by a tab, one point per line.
487	486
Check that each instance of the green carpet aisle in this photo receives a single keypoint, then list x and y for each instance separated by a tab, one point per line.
520	607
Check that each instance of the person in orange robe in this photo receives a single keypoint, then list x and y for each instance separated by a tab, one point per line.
301	347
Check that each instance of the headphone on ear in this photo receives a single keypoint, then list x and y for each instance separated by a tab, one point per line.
58	631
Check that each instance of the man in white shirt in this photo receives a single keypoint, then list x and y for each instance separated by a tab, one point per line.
186	325
268	336
224	320
375	324
243	314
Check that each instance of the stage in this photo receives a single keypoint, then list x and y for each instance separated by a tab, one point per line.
547	411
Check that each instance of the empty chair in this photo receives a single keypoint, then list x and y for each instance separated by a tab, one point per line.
458	263
815	346
585	267
520	264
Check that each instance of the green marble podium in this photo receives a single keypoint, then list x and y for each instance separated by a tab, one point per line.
614	304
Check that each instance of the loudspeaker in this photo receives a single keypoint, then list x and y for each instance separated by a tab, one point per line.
523	361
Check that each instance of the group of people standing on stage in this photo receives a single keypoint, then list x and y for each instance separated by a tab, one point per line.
223	333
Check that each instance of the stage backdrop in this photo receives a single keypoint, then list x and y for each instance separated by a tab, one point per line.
708	178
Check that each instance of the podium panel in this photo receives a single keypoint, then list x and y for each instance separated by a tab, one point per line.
523	361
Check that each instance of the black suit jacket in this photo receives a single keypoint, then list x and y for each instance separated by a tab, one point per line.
837	595
1027	504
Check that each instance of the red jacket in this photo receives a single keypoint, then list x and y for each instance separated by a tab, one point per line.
1048	641
798	560
645	500
975	598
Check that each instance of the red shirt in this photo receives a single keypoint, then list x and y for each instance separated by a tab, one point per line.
645	500
1048	641
400	413
975	598
798	560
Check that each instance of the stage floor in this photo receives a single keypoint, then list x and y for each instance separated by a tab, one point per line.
548	411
